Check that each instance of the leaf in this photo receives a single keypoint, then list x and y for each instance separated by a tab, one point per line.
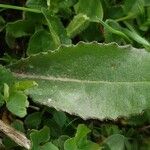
82	132
55	37
49	146
109	129
5	77
60	118
90	80
62	7
60	141
33	120
92	33
80	141
135	36
39	138
44	38
139	120
94	10
79	23
114	32
36	19
37	4
115	12
133	7
23	85
55	129
117	142
6	91
17	103
18	29
115	29
18	125
56	28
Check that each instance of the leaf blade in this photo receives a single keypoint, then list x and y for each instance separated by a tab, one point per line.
97	81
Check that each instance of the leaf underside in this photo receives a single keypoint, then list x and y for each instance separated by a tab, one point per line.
90	80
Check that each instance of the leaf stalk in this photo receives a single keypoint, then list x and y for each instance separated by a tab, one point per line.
19	8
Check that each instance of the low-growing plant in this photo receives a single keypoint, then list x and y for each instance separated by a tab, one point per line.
74	74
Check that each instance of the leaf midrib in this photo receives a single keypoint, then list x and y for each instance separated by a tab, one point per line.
51	78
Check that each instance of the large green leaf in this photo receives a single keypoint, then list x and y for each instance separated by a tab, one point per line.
90	80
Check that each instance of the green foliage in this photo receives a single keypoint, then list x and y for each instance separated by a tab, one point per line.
33	120
44	38
12	93
18	29
5	77
39	137
94	10
52	74
40	140
117	141
80	141
79	23
79	79
17	103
